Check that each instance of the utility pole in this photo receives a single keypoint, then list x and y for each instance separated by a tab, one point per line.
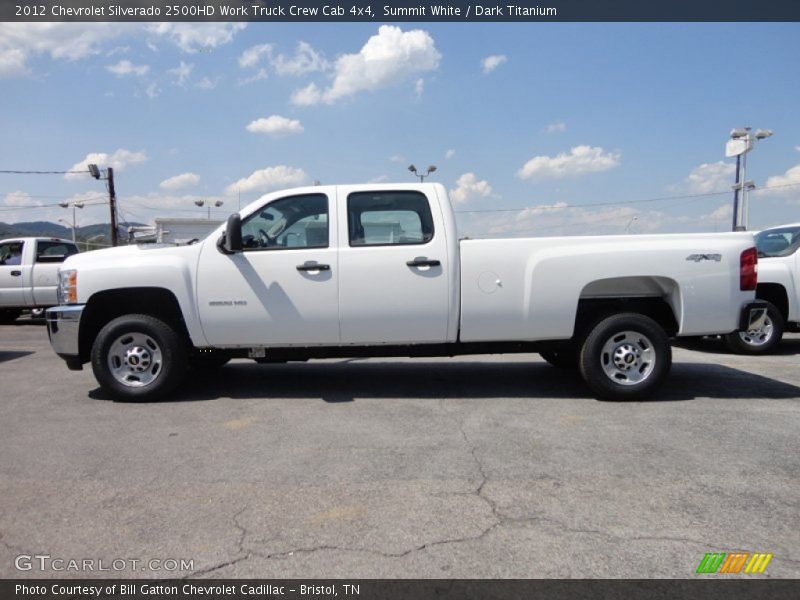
94	171
112	204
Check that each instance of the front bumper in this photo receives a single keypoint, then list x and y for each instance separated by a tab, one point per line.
63	327
753	316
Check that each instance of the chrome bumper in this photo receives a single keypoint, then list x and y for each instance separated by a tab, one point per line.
63	326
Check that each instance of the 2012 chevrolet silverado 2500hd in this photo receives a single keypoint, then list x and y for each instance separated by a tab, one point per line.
378	270
29	273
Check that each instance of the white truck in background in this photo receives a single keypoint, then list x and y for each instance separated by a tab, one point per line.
779	289
378	270
29	273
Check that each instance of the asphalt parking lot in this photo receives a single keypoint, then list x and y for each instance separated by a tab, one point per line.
474	467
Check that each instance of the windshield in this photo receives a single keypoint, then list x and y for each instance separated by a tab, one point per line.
778	242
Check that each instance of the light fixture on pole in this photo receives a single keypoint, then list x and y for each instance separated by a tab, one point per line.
628	226
740	143
74	206
201	203
421	176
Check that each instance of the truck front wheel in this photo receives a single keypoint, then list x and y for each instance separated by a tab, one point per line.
138	357
625	357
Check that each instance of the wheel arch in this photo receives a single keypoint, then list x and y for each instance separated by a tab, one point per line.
655	297
775	293
102	307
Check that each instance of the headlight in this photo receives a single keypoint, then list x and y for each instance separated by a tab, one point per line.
68	286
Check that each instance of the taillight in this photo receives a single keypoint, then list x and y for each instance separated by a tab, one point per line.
748	270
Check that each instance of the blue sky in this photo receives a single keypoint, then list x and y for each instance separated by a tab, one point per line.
575	122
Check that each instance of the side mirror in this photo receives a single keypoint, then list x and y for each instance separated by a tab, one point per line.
231	240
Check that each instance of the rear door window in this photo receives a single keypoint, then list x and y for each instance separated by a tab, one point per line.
54	252
389	218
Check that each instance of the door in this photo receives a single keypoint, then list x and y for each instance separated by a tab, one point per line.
393	263
282	290
12	277
48	258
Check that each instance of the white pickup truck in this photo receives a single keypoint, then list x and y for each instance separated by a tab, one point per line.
378	270
29	273
778	287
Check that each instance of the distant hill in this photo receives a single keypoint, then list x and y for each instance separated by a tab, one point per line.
48	229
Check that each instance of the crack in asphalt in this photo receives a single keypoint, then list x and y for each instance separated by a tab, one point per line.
243	554
500	520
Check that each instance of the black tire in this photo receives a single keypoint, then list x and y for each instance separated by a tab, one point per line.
208	360
760	341
625	357
565	357
9	315
148	340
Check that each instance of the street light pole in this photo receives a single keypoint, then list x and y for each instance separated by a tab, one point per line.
74	220
421	176
740	143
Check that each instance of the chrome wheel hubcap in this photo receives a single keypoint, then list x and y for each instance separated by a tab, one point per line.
135	359
628	358
760	336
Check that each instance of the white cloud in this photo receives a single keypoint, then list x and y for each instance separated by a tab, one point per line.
561	219
259	75
398	158
153	91
490	63
450	154
468	187
206	83
20	198
305	60
419	87
270	178
580	159
557	127
710	177
12	62
126	67
797	148
307	96
62	41
788	183
182	73
192	37
181	181
251	57
119	160
275	126
389	57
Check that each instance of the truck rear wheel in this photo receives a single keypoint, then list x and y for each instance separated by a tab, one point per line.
762	339
138	357
625	357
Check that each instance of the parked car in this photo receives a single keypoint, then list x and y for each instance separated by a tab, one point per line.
778	287
29	274
378	270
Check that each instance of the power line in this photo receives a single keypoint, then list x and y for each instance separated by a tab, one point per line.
42	172
621	202
16	208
